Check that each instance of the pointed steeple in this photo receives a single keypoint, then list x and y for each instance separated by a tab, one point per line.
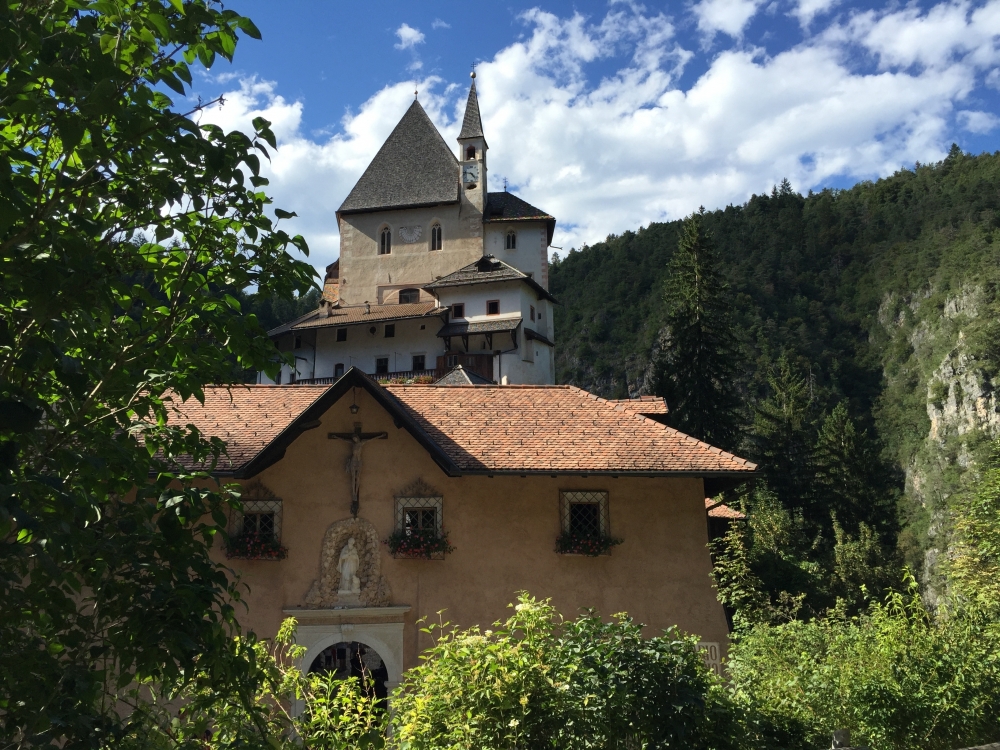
472	125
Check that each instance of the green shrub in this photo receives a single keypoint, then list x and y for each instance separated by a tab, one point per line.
536	681
894	675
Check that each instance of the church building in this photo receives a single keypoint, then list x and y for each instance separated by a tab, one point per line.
434	270
418	458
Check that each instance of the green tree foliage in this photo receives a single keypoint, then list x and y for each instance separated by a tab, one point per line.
699	364
974	571
335	714
848	286
894	675
126	231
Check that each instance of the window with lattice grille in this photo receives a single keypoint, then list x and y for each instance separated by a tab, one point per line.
419	530
585	514
261	517
255	530
586	528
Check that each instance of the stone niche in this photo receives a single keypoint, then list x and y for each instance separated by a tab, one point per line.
374	588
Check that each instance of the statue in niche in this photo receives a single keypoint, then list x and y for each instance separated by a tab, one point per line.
350	584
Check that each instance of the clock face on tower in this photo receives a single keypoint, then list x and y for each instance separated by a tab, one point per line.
470	173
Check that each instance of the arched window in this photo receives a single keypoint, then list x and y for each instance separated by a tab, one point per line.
338	370
435	237
511	243
409	296
470	152
385	242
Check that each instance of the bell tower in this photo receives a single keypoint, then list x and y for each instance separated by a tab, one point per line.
472	152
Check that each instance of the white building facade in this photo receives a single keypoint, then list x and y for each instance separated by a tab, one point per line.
434	270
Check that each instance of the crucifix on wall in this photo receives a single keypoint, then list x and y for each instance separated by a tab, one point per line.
357	439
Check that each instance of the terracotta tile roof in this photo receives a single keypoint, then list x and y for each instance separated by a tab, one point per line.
354	314
642	404
553	428
721	510
466	429
246	417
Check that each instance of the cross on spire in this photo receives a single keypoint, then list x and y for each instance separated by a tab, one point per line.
473	70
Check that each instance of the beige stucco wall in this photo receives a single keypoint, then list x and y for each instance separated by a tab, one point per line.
503	529
363	270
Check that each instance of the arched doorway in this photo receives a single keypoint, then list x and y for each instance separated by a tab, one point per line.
354	659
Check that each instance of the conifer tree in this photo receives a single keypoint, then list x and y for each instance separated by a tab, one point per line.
783	438
698	367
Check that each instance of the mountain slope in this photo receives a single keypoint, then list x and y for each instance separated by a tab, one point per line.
884	295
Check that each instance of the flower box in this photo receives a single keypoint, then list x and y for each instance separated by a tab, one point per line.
252	545
592	546
420	544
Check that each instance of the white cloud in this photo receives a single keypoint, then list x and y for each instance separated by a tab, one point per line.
729	16
635	147
439	24
807	10
409	37
978	122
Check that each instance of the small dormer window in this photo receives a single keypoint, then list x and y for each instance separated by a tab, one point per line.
511	243
470	152
435	237
409	296
385	242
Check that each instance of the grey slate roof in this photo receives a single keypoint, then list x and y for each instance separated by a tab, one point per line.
488	270
472	125
458	375
506	206
414	167
463	328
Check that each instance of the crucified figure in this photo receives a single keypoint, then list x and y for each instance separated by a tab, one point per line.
353	467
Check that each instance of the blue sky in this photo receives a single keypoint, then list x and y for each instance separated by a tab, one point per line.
612	115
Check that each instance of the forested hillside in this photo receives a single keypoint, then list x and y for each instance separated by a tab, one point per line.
881	299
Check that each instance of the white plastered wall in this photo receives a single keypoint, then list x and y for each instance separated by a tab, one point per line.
530	255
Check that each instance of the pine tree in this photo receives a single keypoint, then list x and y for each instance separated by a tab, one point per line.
850	481
698	367
783	437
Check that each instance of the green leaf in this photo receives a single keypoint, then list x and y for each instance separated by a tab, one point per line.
282	214
17	416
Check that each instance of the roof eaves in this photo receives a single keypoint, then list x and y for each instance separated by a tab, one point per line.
399	207
309	419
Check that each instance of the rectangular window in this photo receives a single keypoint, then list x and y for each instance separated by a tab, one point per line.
419	361
419	518
341	334
298	342
493	307
260	517
381	365
338	370
458	310
532	308
585	513
390	330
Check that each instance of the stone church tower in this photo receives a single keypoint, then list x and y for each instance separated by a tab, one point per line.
429	258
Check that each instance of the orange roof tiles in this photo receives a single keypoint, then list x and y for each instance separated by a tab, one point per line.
246	417
553	428
469	429
721	510
642	404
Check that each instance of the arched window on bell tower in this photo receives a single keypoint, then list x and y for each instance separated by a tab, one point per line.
511	243
470	152
385	241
